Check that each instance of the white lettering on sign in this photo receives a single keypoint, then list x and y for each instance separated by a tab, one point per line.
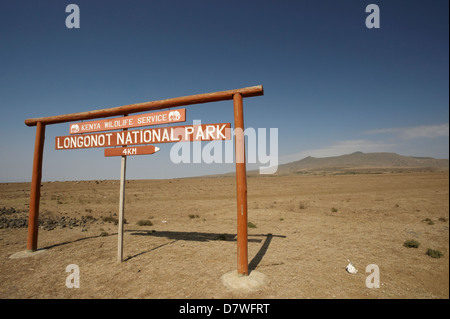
189	133
131	121
126	151
93	126
130	151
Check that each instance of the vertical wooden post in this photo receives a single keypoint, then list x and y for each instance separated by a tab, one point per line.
241	186
35	194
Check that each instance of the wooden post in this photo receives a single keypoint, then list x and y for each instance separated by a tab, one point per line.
241	186
35	194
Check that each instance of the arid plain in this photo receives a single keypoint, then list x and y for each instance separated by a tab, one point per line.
180	237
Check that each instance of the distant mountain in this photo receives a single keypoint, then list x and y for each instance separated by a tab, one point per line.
359	162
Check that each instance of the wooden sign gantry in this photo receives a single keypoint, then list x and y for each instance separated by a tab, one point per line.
236	95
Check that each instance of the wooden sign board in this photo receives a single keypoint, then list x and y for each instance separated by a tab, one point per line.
136	150
139	120
170	134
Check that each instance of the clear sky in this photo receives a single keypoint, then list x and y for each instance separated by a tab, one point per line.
331	85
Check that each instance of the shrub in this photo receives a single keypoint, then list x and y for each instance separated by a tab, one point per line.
144	223
434	253
103	234
411	243
110	219
193	216
334	210
251	225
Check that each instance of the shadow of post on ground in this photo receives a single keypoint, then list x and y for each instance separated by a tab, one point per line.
204	237
189	236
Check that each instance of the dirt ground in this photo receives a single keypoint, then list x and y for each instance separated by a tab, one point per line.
305	230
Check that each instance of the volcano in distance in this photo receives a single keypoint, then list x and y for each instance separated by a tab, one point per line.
360	162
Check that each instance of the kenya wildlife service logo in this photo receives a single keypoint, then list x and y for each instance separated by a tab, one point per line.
74	128
174	116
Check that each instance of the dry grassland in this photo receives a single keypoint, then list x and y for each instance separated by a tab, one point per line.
306	229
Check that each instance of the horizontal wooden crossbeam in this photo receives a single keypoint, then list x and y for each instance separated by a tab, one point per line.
148	106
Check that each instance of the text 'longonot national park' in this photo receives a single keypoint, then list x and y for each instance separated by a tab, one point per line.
187	133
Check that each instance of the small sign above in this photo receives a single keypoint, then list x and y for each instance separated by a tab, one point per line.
139	120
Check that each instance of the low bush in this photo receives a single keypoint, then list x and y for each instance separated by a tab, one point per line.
411	243
144	223
434	253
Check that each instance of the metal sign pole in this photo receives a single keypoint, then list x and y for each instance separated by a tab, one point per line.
123	168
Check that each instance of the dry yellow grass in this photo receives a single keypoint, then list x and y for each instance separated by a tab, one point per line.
299	243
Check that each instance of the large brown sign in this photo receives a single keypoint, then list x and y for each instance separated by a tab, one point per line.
171	134
139	120
156	135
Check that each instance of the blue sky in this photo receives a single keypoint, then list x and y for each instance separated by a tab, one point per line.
331	85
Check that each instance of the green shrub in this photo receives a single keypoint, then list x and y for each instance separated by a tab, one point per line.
434	253
411	243
334	210
251	225
144	223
